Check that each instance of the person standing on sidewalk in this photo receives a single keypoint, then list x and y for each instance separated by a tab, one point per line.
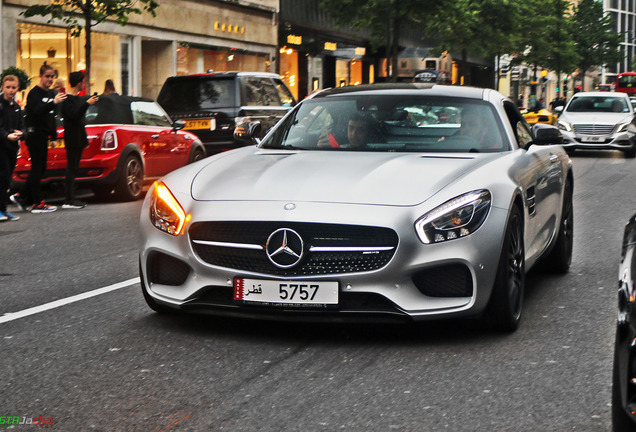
40	127
11	130
75	140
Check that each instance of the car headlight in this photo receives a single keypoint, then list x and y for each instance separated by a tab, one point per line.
622	127
564	126
166	214
454	219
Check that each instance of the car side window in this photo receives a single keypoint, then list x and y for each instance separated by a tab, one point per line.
522	133
148	114
260	92
286	98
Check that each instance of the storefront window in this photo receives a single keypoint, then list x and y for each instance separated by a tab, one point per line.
39	45
289	69
342	73
191	60
356	72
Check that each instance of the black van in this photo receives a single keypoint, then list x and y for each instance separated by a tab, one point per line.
211	104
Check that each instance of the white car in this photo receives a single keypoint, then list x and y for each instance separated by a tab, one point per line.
350	209
599	121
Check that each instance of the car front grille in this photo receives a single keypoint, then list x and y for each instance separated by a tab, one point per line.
328	248
593	129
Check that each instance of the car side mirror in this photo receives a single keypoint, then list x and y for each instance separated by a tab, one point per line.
178	125
248	132
558	110
544	134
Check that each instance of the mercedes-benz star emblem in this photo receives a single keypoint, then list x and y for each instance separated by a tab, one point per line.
284	248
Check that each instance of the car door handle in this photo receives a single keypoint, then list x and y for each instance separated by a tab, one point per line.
154	136
554	158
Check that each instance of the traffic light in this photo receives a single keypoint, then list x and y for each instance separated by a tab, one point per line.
556	90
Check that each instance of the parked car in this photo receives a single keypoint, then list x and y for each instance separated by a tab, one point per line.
131	141
348	209
624	371
540	116
212	104
599	121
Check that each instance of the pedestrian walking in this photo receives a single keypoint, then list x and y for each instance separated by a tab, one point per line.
75	140
40	127
11	130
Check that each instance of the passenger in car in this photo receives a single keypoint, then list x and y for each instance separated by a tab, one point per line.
476	125
360	129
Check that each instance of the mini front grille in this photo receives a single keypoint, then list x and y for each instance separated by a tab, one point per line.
593	129
328	248
451	280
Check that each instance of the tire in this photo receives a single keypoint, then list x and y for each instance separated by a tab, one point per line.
560	257
151	302
630	154
621	422
131	181
197	155
506	301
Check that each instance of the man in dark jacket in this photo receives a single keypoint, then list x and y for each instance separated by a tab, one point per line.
75	140
11	130
40	127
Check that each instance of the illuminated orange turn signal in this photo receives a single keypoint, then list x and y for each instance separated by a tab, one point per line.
166	213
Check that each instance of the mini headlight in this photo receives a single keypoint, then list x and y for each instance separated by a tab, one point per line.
564	126
166	213
454	219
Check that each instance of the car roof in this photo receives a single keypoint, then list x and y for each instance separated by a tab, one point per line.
230	74
407	88
620	94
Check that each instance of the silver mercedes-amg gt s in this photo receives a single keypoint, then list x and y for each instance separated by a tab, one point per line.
399	202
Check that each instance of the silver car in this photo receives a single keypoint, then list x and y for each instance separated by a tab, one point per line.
380	202
599	121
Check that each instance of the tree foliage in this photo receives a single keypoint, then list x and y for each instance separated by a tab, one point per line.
596	41
541	33
80	15
24	79
381	19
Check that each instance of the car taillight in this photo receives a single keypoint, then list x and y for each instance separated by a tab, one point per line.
109	140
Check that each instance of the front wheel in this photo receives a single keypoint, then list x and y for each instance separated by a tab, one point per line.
506	301
131	180
621	422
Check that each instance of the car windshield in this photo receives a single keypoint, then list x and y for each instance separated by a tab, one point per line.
596	104
391	123
197	94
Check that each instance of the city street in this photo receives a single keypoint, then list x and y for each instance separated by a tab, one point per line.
103	360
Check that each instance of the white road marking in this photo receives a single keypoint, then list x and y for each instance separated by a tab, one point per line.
62	302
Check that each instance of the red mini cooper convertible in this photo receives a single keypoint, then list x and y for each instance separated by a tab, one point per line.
132	141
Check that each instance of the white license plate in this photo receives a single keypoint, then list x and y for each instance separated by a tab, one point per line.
592	139
283	292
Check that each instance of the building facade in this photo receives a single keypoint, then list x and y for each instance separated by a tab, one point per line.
623	13
185	37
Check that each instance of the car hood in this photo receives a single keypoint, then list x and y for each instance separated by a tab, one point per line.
596	118
398	179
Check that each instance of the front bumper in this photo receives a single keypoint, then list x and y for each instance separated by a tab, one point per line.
623	141
393	292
